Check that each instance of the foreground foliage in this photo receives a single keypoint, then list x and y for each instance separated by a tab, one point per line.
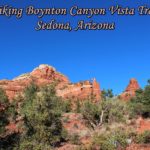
140	104
143	138
7	114
111	141
41	114
106	112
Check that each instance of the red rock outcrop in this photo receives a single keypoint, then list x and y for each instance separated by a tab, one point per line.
68	147
143	125
81	90
76	125
130	90
138	147
44	75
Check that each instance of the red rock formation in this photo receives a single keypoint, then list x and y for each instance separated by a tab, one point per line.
138	147
130	90
76	125
68	147
12	128
44	75
143	125
81	90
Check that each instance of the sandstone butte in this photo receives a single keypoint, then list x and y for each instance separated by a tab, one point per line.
44	75
130	90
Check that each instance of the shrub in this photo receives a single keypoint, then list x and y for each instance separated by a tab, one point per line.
143	138
111	141
3	97
107	111
75	139
78	106
91	112
65	106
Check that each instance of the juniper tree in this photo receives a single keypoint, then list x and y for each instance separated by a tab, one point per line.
140	104
42	119
7	114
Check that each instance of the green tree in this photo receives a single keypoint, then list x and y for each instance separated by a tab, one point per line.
140	104
41	115
111	141
107	94
91	112
104	112
146	101
3	112
7	115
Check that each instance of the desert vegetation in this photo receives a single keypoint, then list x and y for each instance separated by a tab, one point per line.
41	120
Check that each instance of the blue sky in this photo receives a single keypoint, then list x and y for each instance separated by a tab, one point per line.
112	57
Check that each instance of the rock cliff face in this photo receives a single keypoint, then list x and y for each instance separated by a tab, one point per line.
44	75
81	90
130	90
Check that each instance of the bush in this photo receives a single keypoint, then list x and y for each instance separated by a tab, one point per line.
3	97
75	139
115	111
4	112
111	141
65	106
91	112
78	106
108	111
143	138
